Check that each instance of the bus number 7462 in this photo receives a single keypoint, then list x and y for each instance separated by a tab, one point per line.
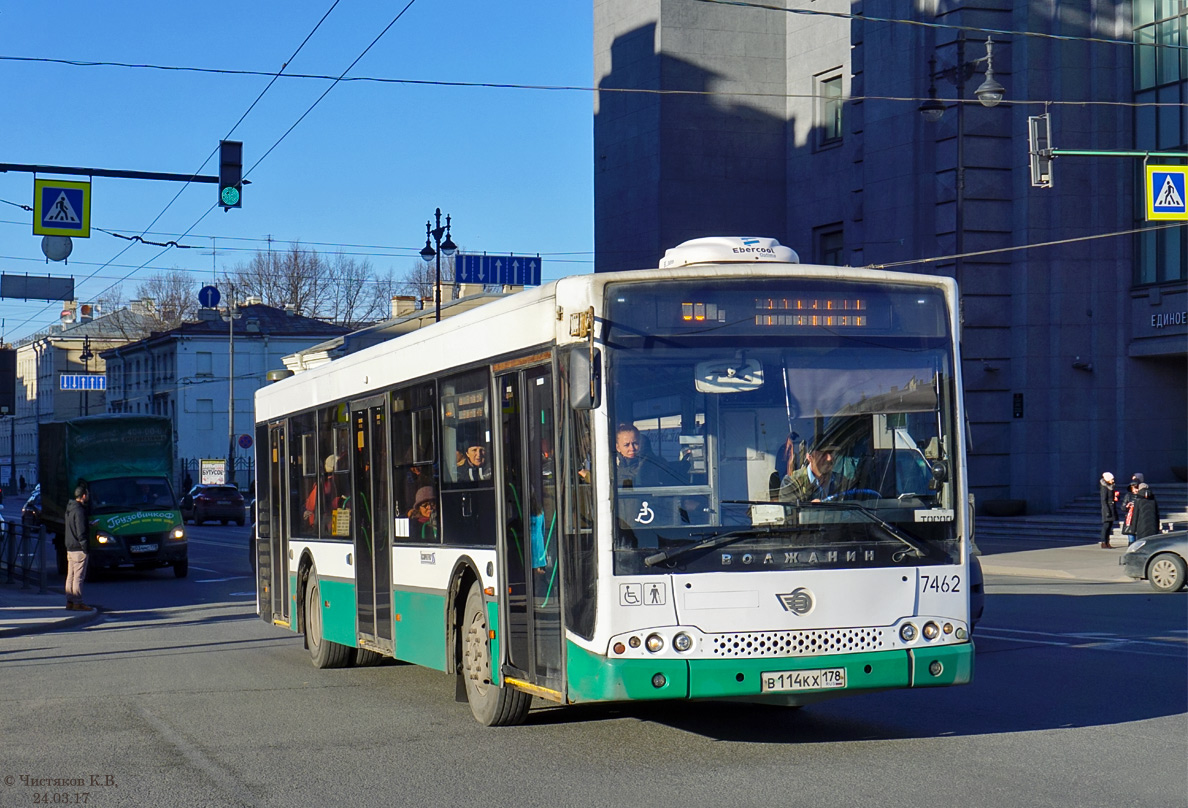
940	583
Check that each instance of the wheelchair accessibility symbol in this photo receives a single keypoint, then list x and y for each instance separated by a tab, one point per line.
646	514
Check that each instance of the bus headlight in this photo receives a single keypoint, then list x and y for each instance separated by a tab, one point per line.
178	534
682	642
104	538
907	632
654	642
931	630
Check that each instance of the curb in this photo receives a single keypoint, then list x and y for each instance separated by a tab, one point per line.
1033	572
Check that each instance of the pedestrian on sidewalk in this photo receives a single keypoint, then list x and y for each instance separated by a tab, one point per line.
1108	515
76	549
1146	513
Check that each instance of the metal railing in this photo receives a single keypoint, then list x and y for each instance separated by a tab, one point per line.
23	555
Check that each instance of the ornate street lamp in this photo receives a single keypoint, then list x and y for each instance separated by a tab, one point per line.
448	247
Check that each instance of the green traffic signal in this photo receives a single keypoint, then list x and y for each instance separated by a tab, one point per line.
230	173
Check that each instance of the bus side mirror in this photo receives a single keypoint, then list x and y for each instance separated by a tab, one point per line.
940	473
585	379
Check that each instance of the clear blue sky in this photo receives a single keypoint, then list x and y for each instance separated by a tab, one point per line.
367	166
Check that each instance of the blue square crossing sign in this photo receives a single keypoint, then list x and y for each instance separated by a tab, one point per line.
61	208
1166	197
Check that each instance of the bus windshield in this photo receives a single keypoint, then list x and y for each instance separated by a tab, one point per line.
740	445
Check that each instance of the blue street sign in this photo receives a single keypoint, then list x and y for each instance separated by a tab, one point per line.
82	381
208	297
61	208
1167	194
498	270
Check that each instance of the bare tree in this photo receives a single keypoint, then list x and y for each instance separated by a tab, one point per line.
174	297
279	278
422	278
355	300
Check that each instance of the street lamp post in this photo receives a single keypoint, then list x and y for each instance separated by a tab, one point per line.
989	94
231	316
448	247
86	356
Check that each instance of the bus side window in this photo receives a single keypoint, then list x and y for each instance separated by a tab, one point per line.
303	473
413	450
467	510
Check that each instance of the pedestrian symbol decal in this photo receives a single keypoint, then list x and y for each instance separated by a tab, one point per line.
62	212
1169	197
1166	197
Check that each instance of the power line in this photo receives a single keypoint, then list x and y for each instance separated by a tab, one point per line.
585	89
937	25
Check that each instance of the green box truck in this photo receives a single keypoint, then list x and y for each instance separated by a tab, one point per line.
126	462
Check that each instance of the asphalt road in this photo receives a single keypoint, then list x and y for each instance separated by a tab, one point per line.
180	696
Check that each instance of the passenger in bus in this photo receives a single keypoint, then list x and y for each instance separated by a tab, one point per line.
423	516
634	468
475	467
328	492
815	481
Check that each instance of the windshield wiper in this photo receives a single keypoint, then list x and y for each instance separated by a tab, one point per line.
723	539
917	550
708	543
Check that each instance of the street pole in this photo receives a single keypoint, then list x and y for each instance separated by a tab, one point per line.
231	386
448	247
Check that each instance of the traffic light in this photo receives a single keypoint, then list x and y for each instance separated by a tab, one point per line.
1039	145
231	174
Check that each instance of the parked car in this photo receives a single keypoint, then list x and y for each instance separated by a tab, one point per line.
1161	559
31	510
209	503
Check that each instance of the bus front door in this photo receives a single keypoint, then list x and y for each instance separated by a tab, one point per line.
369	514
273	566
529	536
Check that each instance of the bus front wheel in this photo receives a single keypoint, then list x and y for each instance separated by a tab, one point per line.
492	706
325	654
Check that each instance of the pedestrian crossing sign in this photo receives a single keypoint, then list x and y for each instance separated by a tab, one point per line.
1166	197
61	208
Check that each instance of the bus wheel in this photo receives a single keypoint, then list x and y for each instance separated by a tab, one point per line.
492	706
181	568
325	654
365	658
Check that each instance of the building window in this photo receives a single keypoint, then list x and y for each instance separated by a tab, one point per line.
1160	76
829	245
204	413
829	108
202	366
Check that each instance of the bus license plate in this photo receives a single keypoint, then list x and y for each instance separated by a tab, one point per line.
787	681
143	548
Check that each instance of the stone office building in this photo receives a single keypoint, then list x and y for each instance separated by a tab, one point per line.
806	124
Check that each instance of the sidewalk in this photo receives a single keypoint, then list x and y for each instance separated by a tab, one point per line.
1081	562
23	611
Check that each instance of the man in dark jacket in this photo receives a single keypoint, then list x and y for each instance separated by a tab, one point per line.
1108	517
1146	513
75	541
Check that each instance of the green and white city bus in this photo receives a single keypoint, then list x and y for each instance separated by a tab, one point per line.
455	497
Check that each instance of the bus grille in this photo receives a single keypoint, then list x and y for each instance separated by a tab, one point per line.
798	643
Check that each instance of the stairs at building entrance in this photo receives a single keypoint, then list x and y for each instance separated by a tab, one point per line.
1078	522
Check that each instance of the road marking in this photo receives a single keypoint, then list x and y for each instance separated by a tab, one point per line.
1090	641
220	580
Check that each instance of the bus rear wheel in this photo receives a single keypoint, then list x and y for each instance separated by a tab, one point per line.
492	706
325	654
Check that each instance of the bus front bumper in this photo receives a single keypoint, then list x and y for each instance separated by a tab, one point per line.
597	678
